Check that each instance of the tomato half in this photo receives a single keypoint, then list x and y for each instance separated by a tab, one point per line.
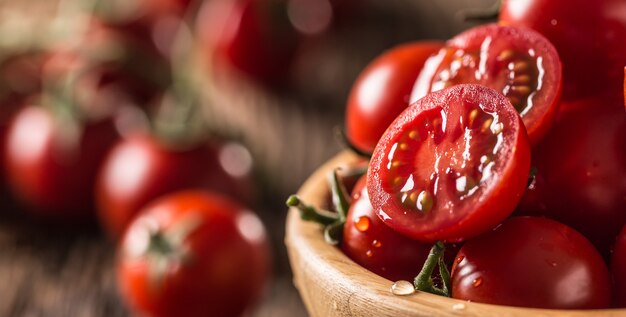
520	63
193	253
375	246
141	168
451	166
532	262
589	36
382	90
581	172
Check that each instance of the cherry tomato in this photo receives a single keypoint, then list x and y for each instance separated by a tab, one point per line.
581	172
141	168
373	245
618	269
587	34
193	253
253	37
532	262
451	166
518	62
382	91
51	162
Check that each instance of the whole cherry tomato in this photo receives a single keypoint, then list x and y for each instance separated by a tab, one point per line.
581	172
253	37
375	246
532	262
52	161
141	168
451	166
382	90
589	36
193	253
520	63
618	269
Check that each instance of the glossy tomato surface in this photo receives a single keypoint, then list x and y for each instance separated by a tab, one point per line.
51	163
451	166
253	37
142	168
581	172
618	269
375	246
193	253
532	262
382	90
518	62
582	31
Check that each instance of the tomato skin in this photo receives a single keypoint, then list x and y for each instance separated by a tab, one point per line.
581	31
228	254
519	62
454	217
581	172
252	37
532	262
373	245
618	269
141	168
52	174
381	92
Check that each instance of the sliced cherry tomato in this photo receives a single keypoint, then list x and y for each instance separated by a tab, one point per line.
51	163
382	91
375	246
618	269
451	166
520	63
589	36
193	253
532	262
581	172
142	168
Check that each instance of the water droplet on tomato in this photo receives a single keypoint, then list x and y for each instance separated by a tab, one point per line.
402	288
369	253
377	244
477	282
362	224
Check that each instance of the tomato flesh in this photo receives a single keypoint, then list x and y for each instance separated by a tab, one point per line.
451	166
532	262
520	63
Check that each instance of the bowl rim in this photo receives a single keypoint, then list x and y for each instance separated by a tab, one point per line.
351	290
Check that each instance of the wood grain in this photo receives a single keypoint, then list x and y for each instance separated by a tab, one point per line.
332	285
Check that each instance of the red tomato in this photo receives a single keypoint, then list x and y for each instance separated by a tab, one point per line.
589	36
518	62
381	92
253	37
373	245
191	254
581	168
141	168
451	166
52	163
532	262
618	269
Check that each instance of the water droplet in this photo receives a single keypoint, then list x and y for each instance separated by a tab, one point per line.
376	244
459	306
369	253
402	288
477	282
551	263
362	224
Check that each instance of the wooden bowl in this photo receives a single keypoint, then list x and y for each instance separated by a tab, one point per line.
332	285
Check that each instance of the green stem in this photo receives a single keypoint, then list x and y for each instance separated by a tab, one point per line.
310	213
424	281
341	200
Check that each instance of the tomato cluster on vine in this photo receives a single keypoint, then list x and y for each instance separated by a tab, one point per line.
506	142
